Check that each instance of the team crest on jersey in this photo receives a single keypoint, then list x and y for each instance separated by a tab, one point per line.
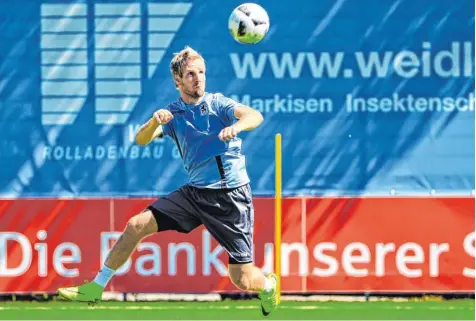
203	109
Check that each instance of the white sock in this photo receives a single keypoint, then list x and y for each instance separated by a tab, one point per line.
268	284
104	275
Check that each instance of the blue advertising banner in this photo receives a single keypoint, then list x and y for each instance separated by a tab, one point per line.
371	97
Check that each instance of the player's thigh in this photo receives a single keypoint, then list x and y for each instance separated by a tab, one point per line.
175	212
232	223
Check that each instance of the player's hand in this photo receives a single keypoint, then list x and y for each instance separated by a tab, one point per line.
163	116
228	133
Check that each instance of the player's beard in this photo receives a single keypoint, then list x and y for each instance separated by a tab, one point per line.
196	92
199	92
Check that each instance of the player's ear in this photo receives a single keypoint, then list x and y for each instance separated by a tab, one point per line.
177	81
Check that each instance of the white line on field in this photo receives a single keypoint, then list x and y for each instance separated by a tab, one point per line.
145	307
225	307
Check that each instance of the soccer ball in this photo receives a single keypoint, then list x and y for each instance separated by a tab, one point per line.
248	23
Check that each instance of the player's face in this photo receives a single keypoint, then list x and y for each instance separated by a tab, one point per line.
193	79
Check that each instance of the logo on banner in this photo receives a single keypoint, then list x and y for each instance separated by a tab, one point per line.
116	80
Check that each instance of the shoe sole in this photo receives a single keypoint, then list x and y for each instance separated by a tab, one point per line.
264	312
63	296
90	303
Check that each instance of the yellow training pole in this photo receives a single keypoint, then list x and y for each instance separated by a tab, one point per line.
278	212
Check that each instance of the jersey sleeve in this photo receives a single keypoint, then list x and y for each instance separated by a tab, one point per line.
226	109
166	130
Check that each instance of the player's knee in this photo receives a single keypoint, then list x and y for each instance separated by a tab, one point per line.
133	227
141	226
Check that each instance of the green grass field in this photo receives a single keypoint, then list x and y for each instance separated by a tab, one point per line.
239	310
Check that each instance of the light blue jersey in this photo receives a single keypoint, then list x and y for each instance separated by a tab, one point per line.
210	162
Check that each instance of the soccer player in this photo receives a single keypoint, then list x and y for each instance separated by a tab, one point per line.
205	128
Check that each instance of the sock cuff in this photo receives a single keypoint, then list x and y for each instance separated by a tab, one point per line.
107	269
268	284
104	275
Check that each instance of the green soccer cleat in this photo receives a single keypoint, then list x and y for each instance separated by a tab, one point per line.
269	300
90	292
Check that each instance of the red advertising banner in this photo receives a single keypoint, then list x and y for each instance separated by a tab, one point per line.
329	245
393	244
45	244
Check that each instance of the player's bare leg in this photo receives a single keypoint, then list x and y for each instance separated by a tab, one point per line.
137	228
248	277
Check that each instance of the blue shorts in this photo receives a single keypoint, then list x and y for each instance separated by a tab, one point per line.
228	215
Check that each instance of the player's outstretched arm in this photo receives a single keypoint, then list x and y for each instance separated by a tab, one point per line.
248	119
153	127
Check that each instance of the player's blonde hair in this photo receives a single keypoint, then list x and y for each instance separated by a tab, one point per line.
180	58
